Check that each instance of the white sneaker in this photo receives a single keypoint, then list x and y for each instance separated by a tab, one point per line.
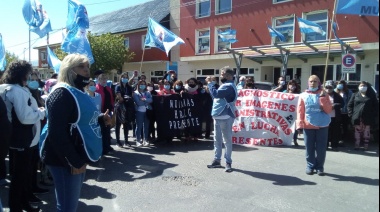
138	144
146	143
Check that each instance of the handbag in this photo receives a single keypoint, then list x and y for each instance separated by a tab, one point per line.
120	111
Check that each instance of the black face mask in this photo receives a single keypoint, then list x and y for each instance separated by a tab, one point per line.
81	81
192	86
223	80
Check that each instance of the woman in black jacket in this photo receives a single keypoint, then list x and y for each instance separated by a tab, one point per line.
363	108
72	137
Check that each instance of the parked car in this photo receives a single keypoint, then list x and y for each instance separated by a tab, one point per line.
265	85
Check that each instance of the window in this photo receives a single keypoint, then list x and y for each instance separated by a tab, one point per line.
143	42
349	77
126	42
43	55
320	18
221	46
280	1
203	8
285	25
203	41
320	72
223	6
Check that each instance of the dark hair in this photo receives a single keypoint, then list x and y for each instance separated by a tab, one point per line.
178	82
293	82
54	76
193	79
17	72
249	85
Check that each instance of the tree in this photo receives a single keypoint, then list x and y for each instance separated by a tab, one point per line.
10	57
108	50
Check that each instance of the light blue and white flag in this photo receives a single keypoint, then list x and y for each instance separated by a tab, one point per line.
53	60
335	27
76	42
308	27
3	61
228	36
36	17
160	37
358	7
77	15
274	33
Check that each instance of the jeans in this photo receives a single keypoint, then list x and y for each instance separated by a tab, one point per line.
223	134
316	145
67	188
142	124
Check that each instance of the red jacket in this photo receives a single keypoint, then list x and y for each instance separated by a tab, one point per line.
100	90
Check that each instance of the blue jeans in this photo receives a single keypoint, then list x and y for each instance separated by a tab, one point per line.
67	188
142	124
316	145
223	134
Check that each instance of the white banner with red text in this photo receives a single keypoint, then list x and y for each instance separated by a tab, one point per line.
264	118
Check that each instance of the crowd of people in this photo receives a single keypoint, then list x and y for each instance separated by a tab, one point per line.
61	125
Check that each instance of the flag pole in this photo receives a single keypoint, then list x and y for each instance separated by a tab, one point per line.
142	59
328	51
29	45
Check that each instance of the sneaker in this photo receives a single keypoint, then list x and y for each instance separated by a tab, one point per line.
320	173
228	168
126	143
309	171
138	144
214	164
119	144
4	182
145	143
39	190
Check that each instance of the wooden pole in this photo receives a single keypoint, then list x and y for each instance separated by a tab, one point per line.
328	51
142	59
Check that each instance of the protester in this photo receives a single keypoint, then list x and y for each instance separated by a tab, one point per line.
173	77
25	116
346	94
33	85
72	137
249	85
223	112
242	83
312	116
363	108
178	87
166	89
124	97
142	99
191	87
281	85
96	98
293	88
337	104
107	104
150	114
48	83
297	80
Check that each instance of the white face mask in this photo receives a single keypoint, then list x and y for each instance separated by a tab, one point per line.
363	89
150	88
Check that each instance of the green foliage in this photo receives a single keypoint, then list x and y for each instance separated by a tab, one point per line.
59	53
10	57
109	52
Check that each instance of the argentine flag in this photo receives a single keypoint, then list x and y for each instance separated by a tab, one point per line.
274	33
53	60
228	36
307	27
160	37
3	61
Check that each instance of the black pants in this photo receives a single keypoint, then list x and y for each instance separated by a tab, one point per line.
125	130
21	181
345	122
106	138
152	121
334	132
3	168
209	122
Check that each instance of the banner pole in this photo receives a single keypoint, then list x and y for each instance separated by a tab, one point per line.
330	36
29	46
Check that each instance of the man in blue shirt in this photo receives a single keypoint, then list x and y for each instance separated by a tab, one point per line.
223	113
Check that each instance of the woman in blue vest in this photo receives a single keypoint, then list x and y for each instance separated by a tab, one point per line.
313	117
72	137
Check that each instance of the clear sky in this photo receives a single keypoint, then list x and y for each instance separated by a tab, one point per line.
15	30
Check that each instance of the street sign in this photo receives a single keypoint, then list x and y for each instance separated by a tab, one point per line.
349	63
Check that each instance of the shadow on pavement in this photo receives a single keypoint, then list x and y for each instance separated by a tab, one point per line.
355	179
281	180
93	208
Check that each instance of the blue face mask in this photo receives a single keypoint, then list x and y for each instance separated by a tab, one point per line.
178	87
92	88
142	87
166	87
313	89
124	80
242	83
33	85
339	87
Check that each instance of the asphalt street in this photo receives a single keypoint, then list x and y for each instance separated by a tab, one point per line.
175	178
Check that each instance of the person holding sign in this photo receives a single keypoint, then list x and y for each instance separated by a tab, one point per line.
223	113
313	117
